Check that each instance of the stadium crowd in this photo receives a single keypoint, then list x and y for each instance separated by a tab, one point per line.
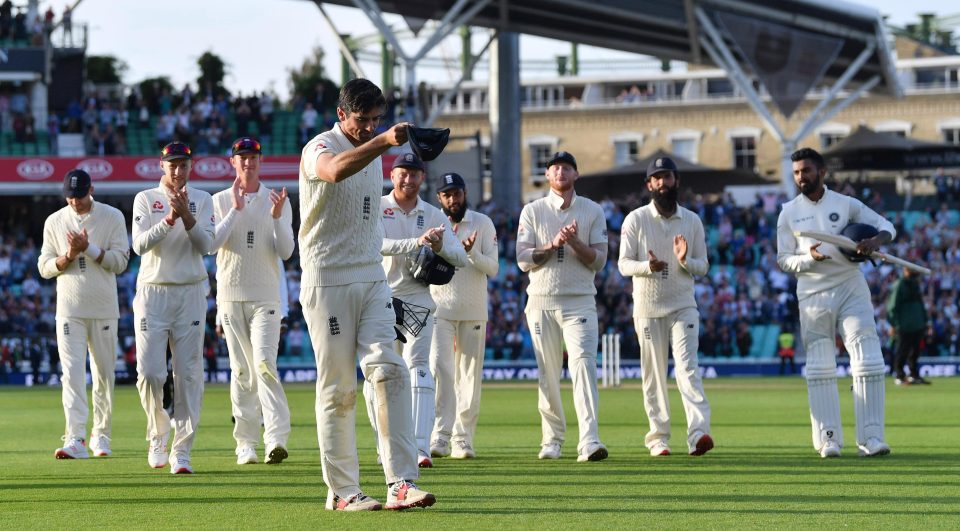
744	285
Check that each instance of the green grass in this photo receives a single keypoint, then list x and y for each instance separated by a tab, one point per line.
763	472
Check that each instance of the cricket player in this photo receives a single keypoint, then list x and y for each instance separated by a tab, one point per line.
409	223
347	302
834	297
254	232
84	247
662	247
173	227
562	243
460	331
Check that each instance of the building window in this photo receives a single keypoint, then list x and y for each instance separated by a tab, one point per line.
829	139
744	152
684	148
626	152
539	157
951	135
486	160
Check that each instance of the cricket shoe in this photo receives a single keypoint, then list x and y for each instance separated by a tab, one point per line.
246	456
357	502
919	380
593	452
873	447
704	445
276	453
180	464
439	448
101	446
424	461
76	448
549	451
660	449
157	454
830	449
405	495
462	450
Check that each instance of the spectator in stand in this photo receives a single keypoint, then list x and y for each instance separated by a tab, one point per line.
309	119
786	350
67	22
19	128
6	19
908	321
744	339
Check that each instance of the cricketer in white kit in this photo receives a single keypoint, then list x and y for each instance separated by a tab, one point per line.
84	247
562	243
173	227
409	222
834	297
460	330
347	303
662	248
254	233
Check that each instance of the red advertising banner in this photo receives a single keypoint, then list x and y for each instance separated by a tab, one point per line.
45	174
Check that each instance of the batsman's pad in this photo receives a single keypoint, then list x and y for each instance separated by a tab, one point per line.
424	396
410	317
866	362
821	373
429	267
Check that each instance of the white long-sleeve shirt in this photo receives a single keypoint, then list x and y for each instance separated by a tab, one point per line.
465	297
86	289
563	276
170	254
664	292
340	231
831	214
402	230
249	242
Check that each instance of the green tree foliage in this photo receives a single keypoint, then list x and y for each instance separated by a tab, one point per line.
212	72
305	80
105	69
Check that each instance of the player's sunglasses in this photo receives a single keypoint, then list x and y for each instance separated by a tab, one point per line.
176	149
246	144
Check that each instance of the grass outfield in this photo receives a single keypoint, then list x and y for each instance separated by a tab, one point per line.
763	472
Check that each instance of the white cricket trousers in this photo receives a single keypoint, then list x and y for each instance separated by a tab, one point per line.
174	314
74	338
346	323
456	359
576	327
252	332
681	329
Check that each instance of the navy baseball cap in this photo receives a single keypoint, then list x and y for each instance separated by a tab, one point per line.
245	145
562	156
408	160
451	181
76	184
175	150
661	164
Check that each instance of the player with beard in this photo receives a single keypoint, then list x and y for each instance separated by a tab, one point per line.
459	334
562	260
662	246
834	297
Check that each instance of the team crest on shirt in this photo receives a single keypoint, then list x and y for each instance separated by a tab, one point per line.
319	146
388	213
834	217
157	206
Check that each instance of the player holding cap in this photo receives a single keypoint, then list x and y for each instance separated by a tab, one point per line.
173	227
834	297
410	223
662	248
84	247
562	243
347	304
254	231
460	332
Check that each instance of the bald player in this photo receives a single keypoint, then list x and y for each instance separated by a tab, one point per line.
409	223
173	227
562	243
834	297
254	233
460	332
84	247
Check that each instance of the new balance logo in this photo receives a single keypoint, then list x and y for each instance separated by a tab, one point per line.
272	312
106	328
422	373
583	320
250	239
334	326
476	327
195	323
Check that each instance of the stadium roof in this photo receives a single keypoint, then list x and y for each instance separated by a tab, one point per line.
672	29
